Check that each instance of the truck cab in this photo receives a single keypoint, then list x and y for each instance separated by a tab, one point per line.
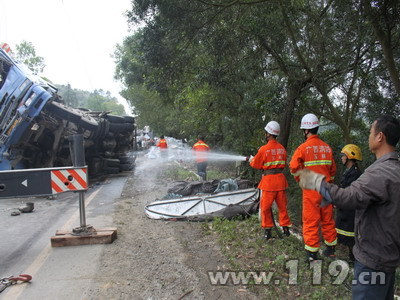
35	125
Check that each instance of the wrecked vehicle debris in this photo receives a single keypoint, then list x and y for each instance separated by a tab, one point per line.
187	188
205	207
35	125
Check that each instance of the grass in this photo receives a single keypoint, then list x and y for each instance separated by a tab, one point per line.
221	170
174	173
242	243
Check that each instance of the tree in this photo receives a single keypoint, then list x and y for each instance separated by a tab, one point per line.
102	101
384	17
238	64
26	54
97	100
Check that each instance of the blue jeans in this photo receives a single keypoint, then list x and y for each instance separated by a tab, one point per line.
372	284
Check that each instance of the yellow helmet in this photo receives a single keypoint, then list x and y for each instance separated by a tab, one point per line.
352	152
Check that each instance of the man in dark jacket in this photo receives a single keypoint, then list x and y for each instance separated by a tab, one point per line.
376	197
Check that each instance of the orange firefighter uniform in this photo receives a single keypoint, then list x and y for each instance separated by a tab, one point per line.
162	144
271	158
200	147
200	150
316	155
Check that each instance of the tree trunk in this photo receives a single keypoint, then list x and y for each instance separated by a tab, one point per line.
294	90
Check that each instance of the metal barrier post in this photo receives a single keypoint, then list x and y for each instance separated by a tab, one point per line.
85	234
77	150
78	160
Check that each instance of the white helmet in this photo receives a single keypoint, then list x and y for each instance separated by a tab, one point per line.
309	121
273	128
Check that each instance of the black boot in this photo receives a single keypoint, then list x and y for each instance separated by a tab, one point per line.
330	251
311	256
286	230
268	234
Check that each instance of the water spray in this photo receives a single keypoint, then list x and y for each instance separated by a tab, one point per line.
187	154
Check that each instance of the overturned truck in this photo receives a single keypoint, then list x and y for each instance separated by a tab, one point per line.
35	125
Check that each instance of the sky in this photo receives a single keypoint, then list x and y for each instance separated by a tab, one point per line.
76	38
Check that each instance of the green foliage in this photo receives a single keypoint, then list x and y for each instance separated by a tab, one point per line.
295	196
97	100
72	97
148	108
26	54
221	170
100	100
224	70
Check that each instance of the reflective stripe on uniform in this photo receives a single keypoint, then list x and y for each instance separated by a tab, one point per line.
312	249
317	163
200	144
274	163
345	233
334	243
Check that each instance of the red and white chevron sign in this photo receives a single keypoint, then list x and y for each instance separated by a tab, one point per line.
67	180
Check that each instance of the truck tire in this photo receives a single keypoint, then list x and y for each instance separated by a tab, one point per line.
111	170
126	167
89	124
119	128
126	159
124	140
115	119
129	119
111	162
95	166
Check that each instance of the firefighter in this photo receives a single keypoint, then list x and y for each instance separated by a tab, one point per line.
316	155
271	158
162	143
200	149
350	154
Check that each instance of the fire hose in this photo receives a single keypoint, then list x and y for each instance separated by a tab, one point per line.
11	280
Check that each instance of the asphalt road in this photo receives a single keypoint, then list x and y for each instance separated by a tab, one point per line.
25	248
